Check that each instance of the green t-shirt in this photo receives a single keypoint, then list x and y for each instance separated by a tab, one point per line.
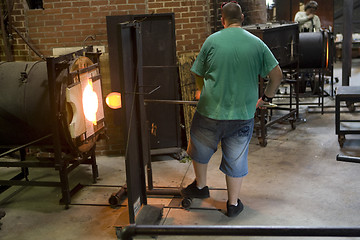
230	62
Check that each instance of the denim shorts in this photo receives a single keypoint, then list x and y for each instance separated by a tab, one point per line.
234	135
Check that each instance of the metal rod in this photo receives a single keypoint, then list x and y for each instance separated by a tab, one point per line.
23	146
347	41
152	230
170	101
344	158
28	43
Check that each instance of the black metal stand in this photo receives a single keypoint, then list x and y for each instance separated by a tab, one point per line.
350	95
265	118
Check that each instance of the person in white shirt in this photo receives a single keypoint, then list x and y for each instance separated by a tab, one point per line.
308	21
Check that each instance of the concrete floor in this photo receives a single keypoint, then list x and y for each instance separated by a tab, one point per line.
294	181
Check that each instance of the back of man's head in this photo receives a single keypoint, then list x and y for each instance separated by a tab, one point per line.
232	13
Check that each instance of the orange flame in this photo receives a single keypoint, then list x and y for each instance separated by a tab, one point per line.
90	103
327	53
113	100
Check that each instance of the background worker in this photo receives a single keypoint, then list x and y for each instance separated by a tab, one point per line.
227	70
308	21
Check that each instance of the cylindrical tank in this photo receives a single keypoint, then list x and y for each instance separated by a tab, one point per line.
313	49
25	105
24	102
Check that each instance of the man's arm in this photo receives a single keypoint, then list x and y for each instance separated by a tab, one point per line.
276	77
300	18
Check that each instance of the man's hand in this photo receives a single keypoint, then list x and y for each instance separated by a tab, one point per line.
260	104
197	94
264	105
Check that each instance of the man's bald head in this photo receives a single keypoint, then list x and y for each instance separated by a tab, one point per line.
232	13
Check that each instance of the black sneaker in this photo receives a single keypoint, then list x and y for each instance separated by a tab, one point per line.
193	191
233	211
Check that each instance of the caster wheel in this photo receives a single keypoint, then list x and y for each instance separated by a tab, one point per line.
293	126
351	107
262	142
341	139
186	203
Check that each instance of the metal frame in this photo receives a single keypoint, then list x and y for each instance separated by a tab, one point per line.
62	163
350	95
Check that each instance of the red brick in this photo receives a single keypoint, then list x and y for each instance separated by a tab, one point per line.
63	16
80	4
47	5
17	12
68	40
136	1
71	22
82	15
181	9
48	40
60	5
64	28
126	7
188	14
52	23
98	3
90	20
70	10
71	34
44	17
117	2
36	35
155	5
88	9
138	11
172	4
197	19
99	14
52	11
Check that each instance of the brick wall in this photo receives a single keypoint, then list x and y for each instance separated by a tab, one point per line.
68	23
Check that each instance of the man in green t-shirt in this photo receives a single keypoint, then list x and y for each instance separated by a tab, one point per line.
227	70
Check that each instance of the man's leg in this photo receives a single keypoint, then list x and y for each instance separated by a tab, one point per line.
233	189
200	173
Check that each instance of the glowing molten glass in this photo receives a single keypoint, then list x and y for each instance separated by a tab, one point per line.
327	53
90	103
113	100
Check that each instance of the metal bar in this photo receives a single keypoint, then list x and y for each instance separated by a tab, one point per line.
347	41
28	43
293	112
349	131
170	101
86	69
19	176
29	183
344	158
349	120
31	164
151	230
162	151
24	146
